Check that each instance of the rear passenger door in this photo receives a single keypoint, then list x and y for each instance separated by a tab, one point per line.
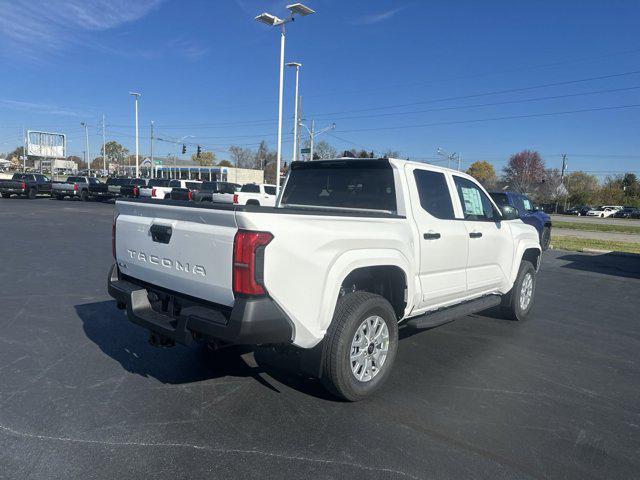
443	239
490	242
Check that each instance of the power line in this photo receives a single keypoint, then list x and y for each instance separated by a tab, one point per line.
493	119
483	94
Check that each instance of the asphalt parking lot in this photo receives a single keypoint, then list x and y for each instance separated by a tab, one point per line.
83	395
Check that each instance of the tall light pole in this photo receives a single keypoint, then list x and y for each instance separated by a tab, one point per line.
313	134
295	111
86	149
136	96
448	156
273	21
153	167
104	147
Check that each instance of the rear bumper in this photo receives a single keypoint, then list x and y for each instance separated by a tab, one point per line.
251	321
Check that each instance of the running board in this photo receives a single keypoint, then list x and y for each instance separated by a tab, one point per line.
449	314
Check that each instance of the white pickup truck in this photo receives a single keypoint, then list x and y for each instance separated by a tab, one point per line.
256	194
354	249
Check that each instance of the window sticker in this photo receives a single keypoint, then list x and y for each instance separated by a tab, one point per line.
472	201
527	204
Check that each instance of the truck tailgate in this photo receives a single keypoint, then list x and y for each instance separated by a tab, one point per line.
191	253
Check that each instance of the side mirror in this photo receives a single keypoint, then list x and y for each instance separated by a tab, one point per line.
509	212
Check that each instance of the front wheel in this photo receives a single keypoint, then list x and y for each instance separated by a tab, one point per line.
517	304
360	346
545	238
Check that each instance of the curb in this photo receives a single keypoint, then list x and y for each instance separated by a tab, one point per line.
598	251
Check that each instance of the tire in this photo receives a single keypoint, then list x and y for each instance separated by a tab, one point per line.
352	311
84	196
59	197
545	238
253	202
32	193
512	307
6	195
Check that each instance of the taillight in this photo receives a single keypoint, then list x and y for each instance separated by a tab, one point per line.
113	237
24	185
189	195
248	262
235	198
153	192
75	187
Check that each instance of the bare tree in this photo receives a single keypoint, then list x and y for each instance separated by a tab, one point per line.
525	171
242	157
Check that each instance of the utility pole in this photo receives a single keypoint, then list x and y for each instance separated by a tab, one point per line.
564	166
153	167
104	147
459	160
295	111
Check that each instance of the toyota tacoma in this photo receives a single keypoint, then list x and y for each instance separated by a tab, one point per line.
353	250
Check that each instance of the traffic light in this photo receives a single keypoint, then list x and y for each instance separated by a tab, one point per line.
184	149
199	151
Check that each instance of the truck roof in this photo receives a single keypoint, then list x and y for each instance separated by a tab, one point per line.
399	162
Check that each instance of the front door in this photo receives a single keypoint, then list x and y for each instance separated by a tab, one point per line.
490	241
443	239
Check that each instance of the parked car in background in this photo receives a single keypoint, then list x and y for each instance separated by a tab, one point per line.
115	183
132	188
186	191
256	194
626	212
28	184
154	183
528	213
80	187
372	244
635	214
604	211
573	210
219	192
584	210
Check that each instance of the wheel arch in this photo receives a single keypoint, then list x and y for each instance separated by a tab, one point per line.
357	264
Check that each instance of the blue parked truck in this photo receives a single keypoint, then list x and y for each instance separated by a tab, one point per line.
528	213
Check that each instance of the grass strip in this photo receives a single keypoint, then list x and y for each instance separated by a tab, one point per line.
597	227
578	244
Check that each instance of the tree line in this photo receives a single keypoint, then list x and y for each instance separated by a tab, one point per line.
525	172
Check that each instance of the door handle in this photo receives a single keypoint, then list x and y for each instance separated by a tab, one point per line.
475	234
431	236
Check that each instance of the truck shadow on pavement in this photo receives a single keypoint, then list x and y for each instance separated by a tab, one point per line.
626	266
109	329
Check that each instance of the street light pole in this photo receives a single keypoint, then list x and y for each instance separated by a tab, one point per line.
295	112
136	96
104	147
153	167
279	150
272	20
87	156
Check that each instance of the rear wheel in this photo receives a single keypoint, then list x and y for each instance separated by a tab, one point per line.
360	346
517	304
545	238
59	197
253	202
6	195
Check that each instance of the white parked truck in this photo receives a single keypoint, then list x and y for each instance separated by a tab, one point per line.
256	194
355	249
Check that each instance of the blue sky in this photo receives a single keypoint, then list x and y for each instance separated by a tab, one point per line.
472	77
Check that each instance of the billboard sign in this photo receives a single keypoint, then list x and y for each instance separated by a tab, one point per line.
46	144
